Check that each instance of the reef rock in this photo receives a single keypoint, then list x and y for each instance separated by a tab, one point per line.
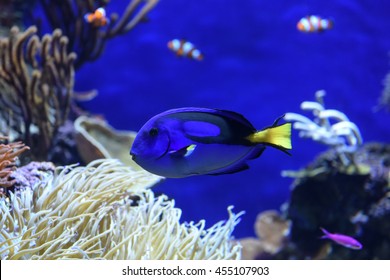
353	200
64	149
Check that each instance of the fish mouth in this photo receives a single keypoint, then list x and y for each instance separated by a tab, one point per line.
134	156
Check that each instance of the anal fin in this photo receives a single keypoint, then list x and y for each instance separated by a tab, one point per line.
256	152
230	169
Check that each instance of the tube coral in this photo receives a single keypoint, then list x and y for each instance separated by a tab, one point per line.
105	211
86	40
36	84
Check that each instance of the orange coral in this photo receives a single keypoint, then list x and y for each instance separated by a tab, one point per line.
8	156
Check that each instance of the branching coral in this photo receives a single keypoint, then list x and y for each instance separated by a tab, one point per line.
36	84
106	211
87	40
8	156
343	135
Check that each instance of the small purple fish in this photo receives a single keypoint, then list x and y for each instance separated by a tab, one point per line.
197	141
344	240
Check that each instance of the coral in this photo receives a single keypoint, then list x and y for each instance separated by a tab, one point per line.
84	39
252	249
354	201
95	139
30	175
349	201
36	86
272	232
343	136
105	210
272	229
8	157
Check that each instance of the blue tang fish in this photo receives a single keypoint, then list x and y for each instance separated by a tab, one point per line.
196	141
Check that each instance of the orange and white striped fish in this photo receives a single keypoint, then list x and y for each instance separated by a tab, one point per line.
98	18
310	24
185	48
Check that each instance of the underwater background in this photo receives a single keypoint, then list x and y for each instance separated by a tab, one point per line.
255	63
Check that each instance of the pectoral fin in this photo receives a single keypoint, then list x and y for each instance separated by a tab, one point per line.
183	152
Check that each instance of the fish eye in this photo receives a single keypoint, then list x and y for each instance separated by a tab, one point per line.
153	131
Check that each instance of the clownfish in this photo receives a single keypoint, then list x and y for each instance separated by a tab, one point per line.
310	24
185	48
200	141
97	18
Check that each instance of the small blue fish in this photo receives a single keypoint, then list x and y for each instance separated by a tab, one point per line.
196	141
344	240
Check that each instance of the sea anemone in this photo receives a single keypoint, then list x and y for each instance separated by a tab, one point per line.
105	210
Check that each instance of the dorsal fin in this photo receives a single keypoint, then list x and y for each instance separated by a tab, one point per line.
236	116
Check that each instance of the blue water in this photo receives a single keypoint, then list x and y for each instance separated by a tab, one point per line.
256	63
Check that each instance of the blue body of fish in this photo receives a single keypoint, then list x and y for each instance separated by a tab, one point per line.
195	141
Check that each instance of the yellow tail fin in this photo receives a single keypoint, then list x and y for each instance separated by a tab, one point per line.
277	136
